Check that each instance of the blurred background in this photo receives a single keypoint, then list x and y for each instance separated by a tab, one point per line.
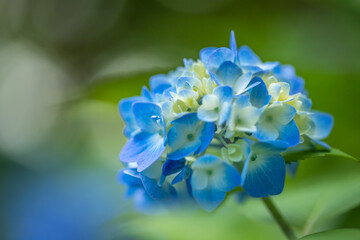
64	65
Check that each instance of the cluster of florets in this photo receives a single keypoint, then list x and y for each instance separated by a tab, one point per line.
217	124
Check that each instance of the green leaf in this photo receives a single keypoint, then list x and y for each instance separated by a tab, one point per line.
312	149
307	154
348	234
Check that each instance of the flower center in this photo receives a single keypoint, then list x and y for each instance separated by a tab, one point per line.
269	118
216	109
190	137
253	157
209	172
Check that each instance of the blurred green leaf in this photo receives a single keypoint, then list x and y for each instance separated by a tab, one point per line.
348	234
313	153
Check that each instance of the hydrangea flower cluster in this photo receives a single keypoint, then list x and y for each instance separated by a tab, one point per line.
217	124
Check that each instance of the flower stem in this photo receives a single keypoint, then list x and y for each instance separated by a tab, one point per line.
285	227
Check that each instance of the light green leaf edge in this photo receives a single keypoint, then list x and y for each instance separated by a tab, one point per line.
348	234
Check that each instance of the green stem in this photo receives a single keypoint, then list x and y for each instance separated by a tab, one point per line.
285	227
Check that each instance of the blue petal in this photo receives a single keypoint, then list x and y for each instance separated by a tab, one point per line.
176	136
172	166
178	178
199	179
146	94
232	44
125	109
208	199
267	148
323	124
144	148
147	116
219	56
225	178
224	93
248	57
215	78
129	177
242	101
189	120
206	161
185	150
259	95
289	134
265	176
184	174
164	192
266	132
159	83
205	54
206	136
228	73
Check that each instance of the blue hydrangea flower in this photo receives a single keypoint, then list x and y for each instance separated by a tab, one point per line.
228	103
189	136
147	146
216	107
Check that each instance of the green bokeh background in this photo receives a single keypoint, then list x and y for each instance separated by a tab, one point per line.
64	65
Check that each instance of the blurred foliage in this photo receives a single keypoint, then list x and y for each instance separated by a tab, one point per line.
65	65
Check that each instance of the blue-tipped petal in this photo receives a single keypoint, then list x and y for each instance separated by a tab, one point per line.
159	83
205	54
228	73
266	132
242	82
146	94
248	57
259	95
206	136
185	150
164	192
243	101
144	148
125	109
206	161
147	116
282	113
268	148
189	120
264	176
323	124
129	177
224	93
225	178
172	166
289	134
208	199
219	56
215	78
232	43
